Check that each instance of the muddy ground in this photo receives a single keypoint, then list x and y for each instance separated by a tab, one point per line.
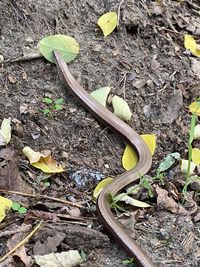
145	62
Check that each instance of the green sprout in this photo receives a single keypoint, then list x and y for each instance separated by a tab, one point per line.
128	261
52	105
17	207
191	139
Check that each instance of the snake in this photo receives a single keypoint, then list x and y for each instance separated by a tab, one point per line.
126	132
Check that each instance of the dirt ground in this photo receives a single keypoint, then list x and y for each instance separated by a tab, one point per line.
145	62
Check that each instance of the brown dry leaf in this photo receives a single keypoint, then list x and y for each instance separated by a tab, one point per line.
20	252
8	169
168	203
42	215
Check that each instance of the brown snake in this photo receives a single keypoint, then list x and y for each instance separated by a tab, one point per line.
132	138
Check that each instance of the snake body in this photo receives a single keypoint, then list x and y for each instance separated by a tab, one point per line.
129	136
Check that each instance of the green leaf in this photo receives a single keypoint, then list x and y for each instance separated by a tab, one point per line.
101	95
47	100
66	45
168	161
131	201
46	111
22	210
59	101
107	22
15	206
58	107
121	108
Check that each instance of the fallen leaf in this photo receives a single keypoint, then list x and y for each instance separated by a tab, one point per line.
130	156
196	156
191	45
150	140
121	108
5	205
66	45
194	108
5	132
131	201
101	95
107	22
42	161
21	251
184	166
65	259
168	161
101	186
197	132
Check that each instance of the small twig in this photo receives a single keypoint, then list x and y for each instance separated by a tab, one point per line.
23	242
42	196
23	57
118	12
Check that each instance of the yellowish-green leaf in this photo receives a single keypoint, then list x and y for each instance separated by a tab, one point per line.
66	45
5	205
5	132
150	140
130	157
121	108
42	161
184	166
191	45
197	132
101	186
194	108
196	156
108	22
101	95
131	201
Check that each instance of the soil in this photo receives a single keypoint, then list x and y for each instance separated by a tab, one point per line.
145	62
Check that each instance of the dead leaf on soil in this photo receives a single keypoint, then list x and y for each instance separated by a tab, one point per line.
168	203
65	259
5	132
20	252
42	215
42	161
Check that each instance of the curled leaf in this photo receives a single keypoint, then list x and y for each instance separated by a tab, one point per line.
121	108
131	201
5	132
108	22
184	166
168	161
101	95
101	186
42	161
66	45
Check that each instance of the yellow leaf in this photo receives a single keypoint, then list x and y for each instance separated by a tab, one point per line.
130	157
5	205
121	108
194	108
101	95
150	140
42	161
191	45
101	186
197	132
196	156
108	22
132	201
